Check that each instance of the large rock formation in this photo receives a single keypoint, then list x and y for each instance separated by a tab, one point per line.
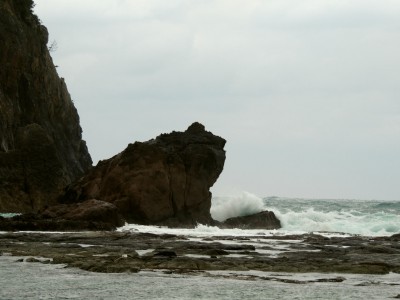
41	149
166	180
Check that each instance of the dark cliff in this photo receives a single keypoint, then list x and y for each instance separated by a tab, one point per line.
164	181
41	146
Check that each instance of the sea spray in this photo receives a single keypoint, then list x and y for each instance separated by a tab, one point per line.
244	204
9	215
364	217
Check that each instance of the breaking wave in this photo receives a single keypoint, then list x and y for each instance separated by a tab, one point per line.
245	204
363	217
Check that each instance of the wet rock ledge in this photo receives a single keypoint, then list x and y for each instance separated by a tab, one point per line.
111	252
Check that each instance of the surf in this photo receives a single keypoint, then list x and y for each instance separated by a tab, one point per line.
360	217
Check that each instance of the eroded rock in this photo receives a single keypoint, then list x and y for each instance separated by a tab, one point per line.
165	181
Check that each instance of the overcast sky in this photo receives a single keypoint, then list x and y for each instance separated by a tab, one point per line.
306	92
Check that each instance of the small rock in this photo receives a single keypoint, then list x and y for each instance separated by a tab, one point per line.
133	254
215	252
262	220
32	260
336	279
165	253
134	270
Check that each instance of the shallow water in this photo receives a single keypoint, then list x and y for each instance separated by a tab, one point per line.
39	281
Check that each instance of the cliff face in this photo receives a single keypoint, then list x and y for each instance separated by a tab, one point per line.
41	147
165	181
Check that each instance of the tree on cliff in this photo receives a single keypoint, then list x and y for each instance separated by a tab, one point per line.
25	7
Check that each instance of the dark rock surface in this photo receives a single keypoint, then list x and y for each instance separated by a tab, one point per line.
41	148
166	180
90	210
261	220
134	251
88	215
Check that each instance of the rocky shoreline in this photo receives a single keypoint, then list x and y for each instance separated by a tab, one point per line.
118	252
46	173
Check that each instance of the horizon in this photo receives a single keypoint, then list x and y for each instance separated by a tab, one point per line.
303	198
304	93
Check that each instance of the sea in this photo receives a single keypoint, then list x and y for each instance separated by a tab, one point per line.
330	217
298	215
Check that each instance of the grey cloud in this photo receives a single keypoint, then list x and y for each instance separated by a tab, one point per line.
306	93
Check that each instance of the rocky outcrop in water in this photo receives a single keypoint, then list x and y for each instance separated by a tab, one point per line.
164	181
41	147
261	220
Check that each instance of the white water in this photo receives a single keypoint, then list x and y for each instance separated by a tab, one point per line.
368	218
298	216
244	204
8	215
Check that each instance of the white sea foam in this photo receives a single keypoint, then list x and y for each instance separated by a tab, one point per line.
368	218
297	216
9	215
315	221
244	204
200	231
